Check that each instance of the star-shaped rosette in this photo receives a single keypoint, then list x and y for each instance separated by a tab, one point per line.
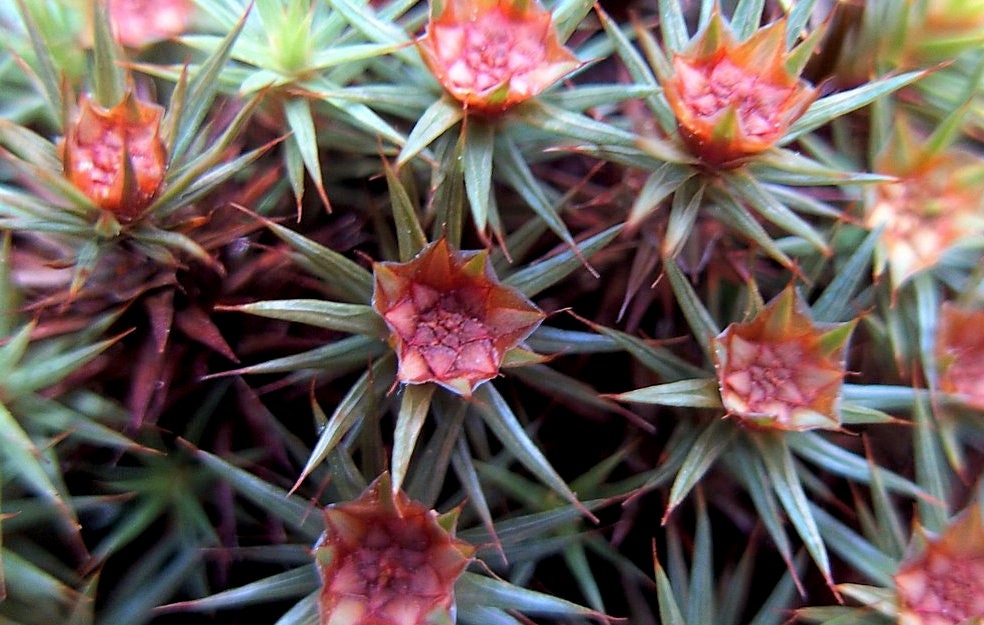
941	582
734	99
781	370
387	560
932	206
450	319
492	54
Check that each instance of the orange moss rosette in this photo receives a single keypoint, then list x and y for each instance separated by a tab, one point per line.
450	318
934	205
387	560
735	99
781	370
943	583
116	156
493	54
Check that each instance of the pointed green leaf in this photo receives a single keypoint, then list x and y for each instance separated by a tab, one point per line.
304	612
860	554
361	116
409	423
478	147
436	120
735	584
29	146
676	565
882	396
174	240
486	591
669	610
367	391
774	610
201	91
838	460
834	303
826	109
287	585
734	215
69	197
583	98
891	536
702	604
789	167
884	600
855	414
515	171
363	17
27	582
449	190
204	175
577	562
343	276
351	318
683	216
207	168
465	468
799	18
747	188
176	566
48	75
638	69
478	614
713	441
928	303
931	470
294	163
746	18
789	490
568	15
58	419
549	340
54	368
409	232
107	77
291	509
25	460
745	463
699	319
301	123
581	128
657	359
545	273
341	55
519	532
673	26
499	418
573	392
14	347
696	393
339	357
449	415
9	295
660	184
